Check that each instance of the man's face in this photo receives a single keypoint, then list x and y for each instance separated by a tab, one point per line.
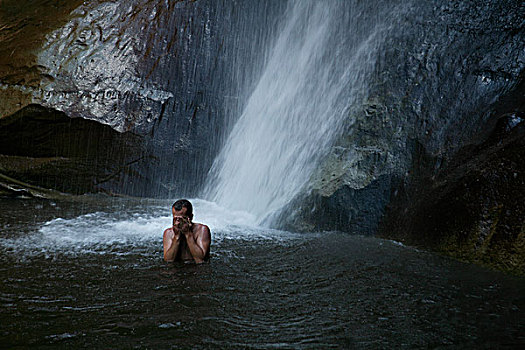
180	217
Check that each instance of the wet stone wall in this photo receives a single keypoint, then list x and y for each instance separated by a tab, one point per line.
170	72
418	161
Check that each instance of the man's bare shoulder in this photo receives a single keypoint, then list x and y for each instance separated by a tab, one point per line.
168	233
201	228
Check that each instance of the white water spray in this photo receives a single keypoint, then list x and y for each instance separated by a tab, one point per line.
130	232
317	72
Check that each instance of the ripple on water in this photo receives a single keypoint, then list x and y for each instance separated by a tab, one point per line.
106	285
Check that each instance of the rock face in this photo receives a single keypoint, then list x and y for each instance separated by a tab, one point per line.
448	72
23	29
169	71
445	74
470	208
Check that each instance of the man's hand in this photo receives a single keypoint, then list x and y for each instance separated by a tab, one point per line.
181	225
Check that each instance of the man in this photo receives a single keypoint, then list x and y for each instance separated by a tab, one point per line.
186	240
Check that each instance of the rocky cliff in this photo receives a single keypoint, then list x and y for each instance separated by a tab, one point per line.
170	72
423	159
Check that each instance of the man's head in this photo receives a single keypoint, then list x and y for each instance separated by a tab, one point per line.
182	207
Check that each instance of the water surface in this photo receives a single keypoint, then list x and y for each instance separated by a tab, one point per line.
90	274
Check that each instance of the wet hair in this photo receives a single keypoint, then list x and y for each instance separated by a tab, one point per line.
184	203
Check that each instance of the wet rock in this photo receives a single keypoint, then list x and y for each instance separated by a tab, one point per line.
45	148
447	93
171	71
347	209
472	208
22	31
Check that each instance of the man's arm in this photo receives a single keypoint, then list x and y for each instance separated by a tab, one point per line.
171	243
199	243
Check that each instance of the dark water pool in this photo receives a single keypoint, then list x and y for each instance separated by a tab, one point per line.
90	275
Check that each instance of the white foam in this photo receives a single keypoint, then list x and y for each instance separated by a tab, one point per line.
127	233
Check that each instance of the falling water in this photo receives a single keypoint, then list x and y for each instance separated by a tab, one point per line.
316	74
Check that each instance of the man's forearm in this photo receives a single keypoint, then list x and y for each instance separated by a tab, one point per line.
196	251
171	253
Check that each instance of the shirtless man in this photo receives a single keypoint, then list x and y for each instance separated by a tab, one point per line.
186	240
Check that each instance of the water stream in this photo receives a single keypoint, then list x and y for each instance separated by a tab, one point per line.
316	73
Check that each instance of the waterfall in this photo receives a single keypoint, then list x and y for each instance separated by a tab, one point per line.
316	73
